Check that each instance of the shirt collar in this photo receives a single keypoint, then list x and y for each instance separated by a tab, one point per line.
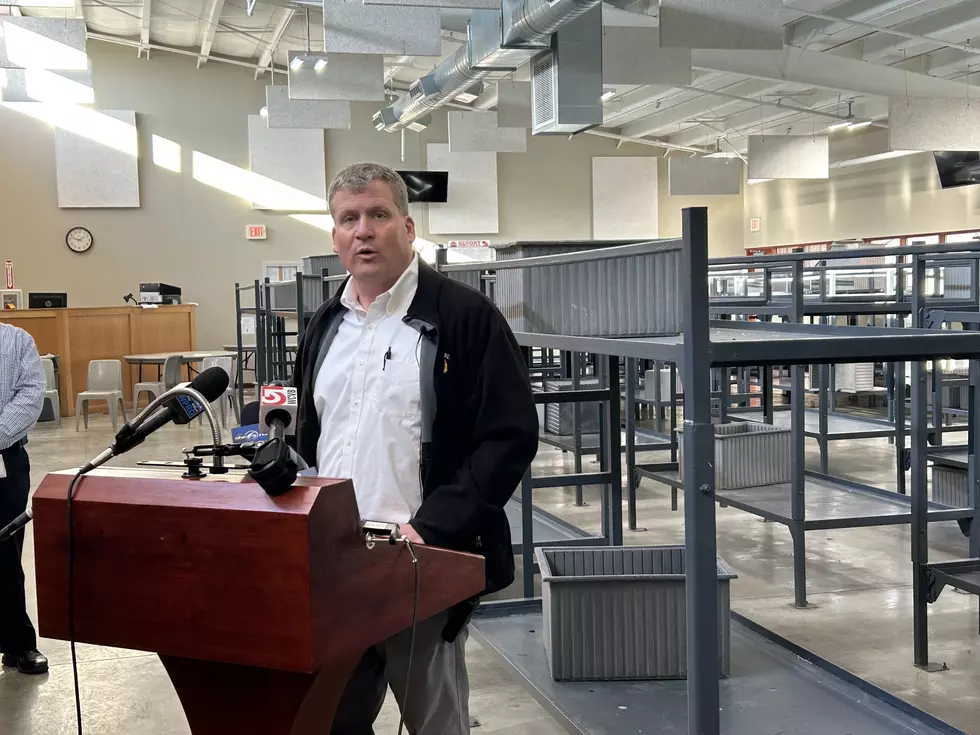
392	299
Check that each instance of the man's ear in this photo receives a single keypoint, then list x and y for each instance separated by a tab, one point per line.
410	226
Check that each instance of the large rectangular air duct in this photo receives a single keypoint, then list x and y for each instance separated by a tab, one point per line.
567	80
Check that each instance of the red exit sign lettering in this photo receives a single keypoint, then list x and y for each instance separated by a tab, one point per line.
255	232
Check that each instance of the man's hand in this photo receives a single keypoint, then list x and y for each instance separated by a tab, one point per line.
411	534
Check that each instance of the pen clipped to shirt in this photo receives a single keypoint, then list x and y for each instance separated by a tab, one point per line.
387	357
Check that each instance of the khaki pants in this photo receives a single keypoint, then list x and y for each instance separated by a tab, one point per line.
438	696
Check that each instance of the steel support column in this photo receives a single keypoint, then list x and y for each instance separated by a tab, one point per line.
798	456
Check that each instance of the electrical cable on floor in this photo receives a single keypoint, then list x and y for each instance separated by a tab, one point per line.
71	602
411	647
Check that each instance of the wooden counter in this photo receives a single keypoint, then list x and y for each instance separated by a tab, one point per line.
102	333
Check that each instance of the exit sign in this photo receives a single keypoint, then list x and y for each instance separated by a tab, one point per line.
755	224
255	232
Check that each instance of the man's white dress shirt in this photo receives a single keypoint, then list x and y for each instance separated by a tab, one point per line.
367	397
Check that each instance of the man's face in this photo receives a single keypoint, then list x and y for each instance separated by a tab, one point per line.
373	240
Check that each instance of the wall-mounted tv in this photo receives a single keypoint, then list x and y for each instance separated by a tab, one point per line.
426	186
958	168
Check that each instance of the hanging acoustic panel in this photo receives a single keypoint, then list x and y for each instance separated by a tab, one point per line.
43	85
632	55
705	176
42	43
789	157
443	4
287	161
933	124
351	77
97	161
722	24
319	114
624	198
477	131
354	28
471	202
513	104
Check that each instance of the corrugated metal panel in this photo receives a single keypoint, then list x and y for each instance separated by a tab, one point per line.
620	613
747	454
950	486
854	377
470	278
635	295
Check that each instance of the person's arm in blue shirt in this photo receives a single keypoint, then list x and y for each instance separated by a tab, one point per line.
20	414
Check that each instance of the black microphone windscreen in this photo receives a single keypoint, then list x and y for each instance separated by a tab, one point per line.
250	414
211	383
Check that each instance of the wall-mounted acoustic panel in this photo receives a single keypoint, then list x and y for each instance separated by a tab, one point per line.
43	85
42	43
320	114
789	157
513	104
471	206
287	160
446	4
933	124
354	28
477	131
722	24
624	198
351	77
97	162
703	176
632	55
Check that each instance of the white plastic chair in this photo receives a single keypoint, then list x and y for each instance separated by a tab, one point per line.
51	389
105	383
154	389
225	363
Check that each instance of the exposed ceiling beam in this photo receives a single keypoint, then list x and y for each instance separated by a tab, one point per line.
648	142
285	19
894	31
856	9
827	71
145	11
210	27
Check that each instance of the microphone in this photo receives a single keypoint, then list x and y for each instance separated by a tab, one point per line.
15	525
179	405
275	464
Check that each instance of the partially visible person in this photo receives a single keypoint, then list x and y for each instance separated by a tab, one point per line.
22	387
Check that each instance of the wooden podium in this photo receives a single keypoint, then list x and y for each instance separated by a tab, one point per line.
259	607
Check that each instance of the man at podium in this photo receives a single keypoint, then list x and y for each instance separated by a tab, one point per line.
413	386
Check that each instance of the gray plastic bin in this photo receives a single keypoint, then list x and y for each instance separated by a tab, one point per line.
620	613
747	454
950	486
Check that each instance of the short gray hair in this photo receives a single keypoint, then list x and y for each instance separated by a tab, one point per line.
360	175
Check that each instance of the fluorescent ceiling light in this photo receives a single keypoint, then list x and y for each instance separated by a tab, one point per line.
320	65
840	125
872	158
723	154
297	63
264	112
753	182
862	124
608	95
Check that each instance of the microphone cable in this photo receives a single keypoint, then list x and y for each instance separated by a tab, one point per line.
71	600
411	647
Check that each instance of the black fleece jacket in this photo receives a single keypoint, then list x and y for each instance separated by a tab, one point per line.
485	427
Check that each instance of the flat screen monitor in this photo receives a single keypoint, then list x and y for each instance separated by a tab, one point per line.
38	300
426	186
958	168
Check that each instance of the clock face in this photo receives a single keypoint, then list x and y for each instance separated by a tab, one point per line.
79	239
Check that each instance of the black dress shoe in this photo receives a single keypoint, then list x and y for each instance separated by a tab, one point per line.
31	662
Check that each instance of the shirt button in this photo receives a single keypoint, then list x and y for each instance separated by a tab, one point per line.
370	326
348	443
360	362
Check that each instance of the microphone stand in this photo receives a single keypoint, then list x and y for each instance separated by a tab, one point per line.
141	417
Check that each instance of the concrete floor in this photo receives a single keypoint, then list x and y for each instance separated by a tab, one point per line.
859	584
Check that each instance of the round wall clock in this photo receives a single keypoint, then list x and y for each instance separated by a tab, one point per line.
79	239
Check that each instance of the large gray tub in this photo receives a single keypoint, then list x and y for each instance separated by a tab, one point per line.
747	454
620	613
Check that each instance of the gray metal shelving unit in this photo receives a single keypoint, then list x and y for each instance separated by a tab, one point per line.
705	345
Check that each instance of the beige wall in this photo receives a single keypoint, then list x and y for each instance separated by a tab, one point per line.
725	217
900	196
191	235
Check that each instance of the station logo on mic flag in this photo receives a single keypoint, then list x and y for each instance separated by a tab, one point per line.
278	395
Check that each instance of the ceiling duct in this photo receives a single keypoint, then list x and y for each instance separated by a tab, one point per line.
497	42
566	82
